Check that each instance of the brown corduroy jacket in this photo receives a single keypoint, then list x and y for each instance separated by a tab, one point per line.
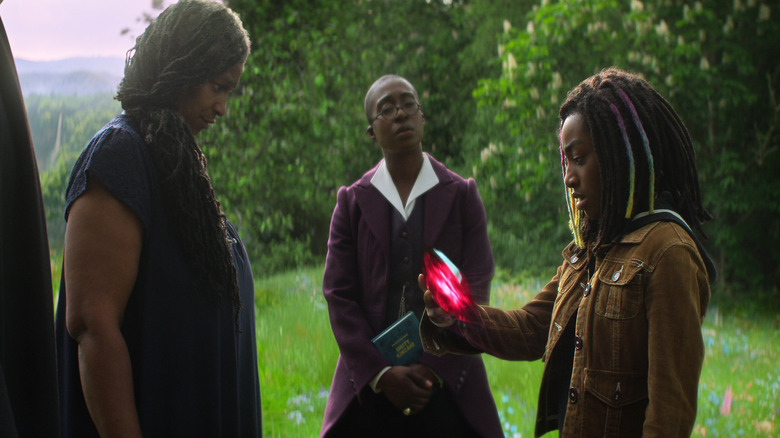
638	342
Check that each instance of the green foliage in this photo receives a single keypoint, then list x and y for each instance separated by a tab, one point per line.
715	63
75	119
296	130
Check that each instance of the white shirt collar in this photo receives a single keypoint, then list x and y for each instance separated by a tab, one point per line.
383	182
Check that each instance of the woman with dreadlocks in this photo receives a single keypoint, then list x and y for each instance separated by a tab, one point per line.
155	321
619	325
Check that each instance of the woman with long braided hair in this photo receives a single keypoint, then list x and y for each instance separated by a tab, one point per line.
155	321
619	325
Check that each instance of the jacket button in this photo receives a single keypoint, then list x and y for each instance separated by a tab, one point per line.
573	395
574	259
577	342
586	292
618	396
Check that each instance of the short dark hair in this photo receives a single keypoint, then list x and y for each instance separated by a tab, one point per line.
644	149
378	82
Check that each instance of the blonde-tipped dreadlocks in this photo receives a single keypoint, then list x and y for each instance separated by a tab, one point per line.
638	160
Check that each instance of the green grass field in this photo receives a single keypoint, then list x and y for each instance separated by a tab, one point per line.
297	355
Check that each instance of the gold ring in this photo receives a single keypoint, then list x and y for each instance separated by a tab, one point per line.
407	411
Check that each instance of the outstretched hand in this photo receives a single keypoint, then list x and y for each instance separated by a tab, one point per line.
408	386
435	313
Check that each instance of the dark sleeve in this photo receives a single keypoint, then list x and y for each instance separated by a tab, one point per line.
116	156
342	289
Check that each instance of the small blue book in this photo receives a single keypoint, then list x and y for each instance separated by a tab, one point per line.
400	342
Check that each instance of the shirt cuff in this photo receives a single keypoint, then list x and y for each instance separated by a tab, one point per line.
375	380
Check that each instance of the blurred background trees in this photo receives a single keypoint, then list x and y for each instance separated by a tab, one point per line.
491	75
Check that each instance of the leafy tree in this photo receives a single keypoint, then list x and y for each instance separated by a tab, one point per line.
715	62
297	127
61	126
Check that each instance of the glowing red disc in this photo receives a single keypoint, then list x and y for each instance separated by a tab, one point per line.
448	287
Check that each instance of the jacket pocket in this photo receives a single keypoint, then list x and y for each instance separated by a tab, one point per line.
616	388
619	294
615	403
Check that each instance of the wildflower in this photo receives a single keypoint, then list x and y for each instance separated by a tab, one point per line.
636	5
507	26
738	5
493	182
501	50
704	64
725	408
669	81
530	27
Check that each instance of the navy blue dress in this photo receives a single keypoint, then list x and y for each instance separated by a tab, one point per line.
194	374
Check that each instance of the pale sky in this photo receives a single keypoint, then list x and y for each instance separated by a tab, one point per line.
44	30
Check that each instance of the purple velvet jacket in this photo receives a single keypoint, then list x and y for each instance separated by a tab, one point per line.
355	285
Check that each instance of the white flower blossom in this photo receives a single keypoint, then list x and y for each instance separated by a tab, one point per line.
669	81
763	12
662	29
541	114
636	5
728	26
680	40
531	69
530	27
507	26
738	5
493	182
557	81
501	50
704	64
699	7
511	64
534	93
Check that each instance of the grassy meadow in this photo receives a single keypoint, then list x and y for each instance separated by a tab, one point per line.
739	391
297	355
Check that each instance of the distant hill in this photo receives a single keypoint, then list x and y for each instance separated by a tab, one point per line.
72	76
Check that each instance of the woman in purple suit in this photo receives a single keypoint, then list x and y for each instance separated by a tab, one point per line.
379	228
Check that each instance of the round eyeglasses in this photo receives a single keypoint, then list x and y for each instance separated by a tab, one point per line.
390	111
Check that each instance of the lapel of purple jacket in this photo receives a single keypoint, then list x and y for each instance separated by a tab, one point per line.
376	209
